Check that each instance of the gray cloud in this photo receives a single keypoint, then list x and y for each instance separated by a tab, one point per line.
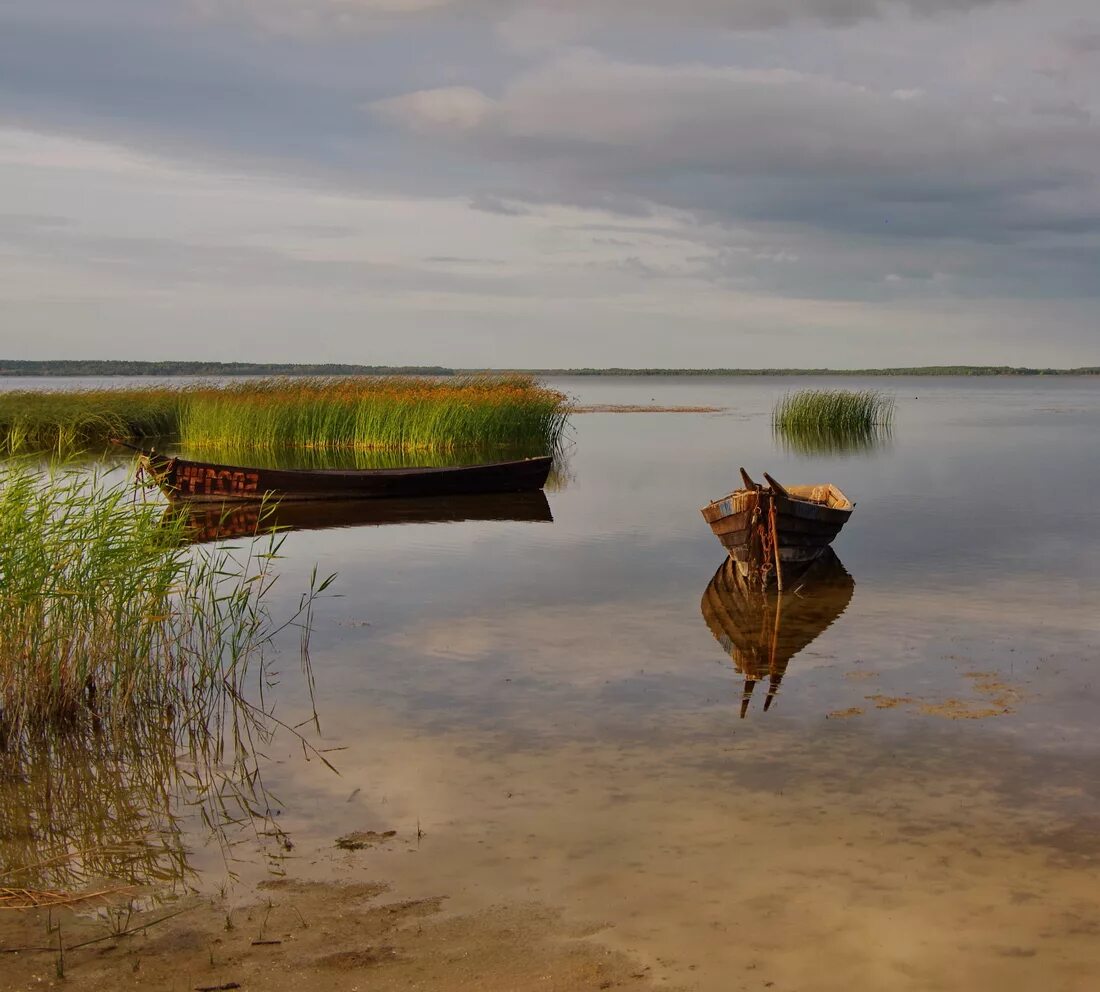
168	79
642	129
815	156
525	20
491	204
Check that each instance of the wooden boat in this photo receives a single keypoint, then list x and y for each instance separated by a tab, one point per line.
198	481
206	521
774	532
762	631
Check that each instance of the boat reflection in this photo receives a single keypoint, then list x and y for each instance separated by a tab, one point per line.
220	522
762	632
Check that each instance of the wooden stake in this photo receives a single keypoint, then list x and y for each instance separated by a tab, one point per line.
775	545
776	487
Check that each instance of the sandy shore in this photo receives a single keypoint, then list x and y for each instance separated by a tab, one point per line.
306	936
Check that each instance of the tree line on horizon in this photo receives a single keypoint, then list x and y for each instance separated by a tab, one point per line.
113	367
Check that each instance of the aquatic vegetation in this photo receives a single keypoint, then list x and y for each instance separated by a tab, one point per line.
833	421
104	614
834	409
377	413
64	421
355	413
135	686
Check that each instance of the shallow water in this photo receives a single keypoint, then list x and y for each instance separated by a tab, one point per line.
542	711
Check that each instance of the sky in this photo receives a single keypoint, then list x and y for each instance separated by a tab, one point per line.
526	183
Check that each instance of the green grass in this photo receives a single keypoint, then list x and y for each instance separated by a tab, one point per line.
104	613
830	421
362	413
73	420
375	414
135	686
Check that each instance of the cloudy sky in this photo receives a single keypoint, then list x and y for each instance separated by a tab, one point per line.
556	183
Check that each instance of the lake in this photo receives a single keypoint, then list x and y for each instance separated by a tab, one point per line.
543	713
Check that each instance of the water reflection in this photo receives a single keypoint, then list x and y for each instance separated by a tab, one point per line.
763	631
92	803
217	522
825	440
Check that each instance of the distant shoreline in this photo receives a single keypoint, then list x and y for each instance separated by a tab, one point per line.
74	367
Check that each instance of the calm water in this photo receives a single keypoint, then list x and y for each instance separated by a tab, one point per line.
546	702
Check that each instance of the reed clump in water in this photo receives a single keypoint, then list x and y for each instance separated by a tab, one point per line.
396	414
833	421
360	413
105	615
134	687
71	420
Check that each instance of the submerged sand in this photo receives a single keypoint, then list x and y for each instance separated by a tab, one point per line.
301	936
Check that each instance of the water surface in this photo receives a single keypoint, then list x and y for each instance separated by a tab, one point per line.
542	710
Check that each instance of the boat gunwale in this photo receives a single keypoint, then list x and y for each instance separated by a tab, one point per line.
355	473
743	499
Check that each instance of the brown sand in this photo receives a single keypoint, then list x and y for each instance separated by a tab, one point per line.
307	936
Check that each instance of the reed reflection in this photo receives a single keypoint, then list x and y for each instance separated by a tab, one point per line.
763	631
218	522
112	806
824	440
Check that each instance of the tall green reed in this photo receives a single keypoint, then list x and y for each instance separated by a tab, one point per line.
105	614
63	421
377	414
359	413
833	421
134	682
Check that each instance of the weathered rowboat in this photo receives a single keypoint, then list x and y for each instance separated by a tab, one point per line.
207	521
762	631
179	478
775	532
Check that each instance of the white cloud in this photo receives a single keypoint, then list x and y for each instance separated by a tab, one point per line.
447	108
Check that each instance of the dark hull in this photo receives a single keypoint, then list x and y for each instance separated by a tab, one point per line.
206	521
202	481
762	631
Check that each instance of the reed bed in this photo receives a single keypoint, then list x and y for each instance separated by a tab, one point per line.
384	414
135	686
833	421
361	413
105	614
64	421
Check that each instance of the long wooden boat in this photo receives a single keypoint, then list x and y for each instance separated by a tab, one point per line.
206	521
762	631
179	478
774	532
